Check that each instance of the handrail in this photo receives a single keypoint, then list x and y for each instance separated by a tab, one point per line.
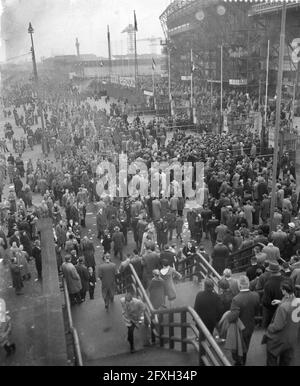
73	330
200	326
198	261
240	260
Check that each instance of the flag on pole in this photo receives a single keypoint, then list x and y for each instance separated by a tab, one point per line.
108	33
193	68
135	22
153	64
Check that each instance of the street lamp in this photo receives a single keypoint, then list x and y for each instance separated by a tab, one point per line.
35	74
278	110
31	31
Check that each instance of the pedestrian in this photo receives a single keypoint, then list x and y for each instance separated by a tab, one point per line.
107	274
6	330
107	240
92	282
245	306
133	314
16	276
157	290
282	333
168	274
208	306
271	291
72	279
37	255
119	243
220	255
84	277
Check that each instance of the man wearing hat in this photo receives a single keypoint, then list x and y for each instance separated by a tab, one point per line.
208	306
119	242
220	255
107	274
84	277
271	291
272	252
280	239
282	333
245	306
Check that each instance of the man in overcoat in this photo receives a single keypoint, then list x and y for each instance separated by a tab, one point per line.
107	274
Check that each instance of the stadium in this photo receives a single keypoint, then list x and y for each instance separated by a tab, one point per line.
241	28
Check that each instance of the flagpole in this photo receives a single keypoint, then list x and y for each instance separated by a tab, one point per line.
153	85
169	71
135	53
295	91
278	111
267	84
109	53
192	91
221	85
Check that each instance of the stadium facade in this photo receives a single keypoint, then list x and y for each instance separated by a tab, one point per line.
243	29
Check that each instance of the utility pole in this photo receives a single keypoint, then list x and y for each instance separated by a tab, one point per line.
221	87
36	79
77	47
136	72
278	108
109	53
267	83
35	74
192	86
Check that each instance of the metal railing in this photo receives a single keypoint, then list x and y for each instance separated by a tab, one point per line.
270	7
164	322
72	329
240	260
197	265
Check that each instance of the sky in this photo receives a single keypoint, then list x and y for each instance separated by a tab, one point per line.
56	30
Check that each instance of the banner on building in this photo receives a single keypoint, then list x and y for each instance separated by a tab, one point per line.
297	167
257	122
127	81
114	79
186	77
148	93
271	137
238	82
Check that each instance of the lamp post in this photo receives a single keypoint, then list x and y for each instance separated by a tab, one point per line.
35	74
31	31
278	108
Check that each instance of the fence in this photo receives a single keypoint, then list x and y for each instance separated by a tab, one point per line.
72	329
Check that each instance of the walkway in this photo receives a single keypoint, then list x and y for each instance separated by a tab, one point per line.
37	320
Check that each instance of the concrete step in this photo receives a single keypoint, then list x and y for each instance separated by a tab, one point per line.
153	356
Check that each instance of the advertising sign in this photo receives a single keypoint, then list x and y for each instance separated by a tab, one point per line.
238	82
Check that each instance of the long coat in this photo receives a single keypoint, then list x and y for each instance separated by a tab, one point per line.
84	276
72	278
219	256
119	240
61	234
168	277
88	251
107	273
282	333
157	292
208	306
244	307
15	271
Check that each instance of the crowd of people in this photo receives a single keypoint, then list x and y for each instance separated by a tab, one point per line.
167	226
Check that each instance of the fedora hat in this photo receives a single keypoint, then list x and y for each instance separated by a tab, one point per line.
273	268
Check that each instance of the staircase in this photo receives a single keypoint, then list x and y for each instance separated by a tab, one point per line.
174	333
